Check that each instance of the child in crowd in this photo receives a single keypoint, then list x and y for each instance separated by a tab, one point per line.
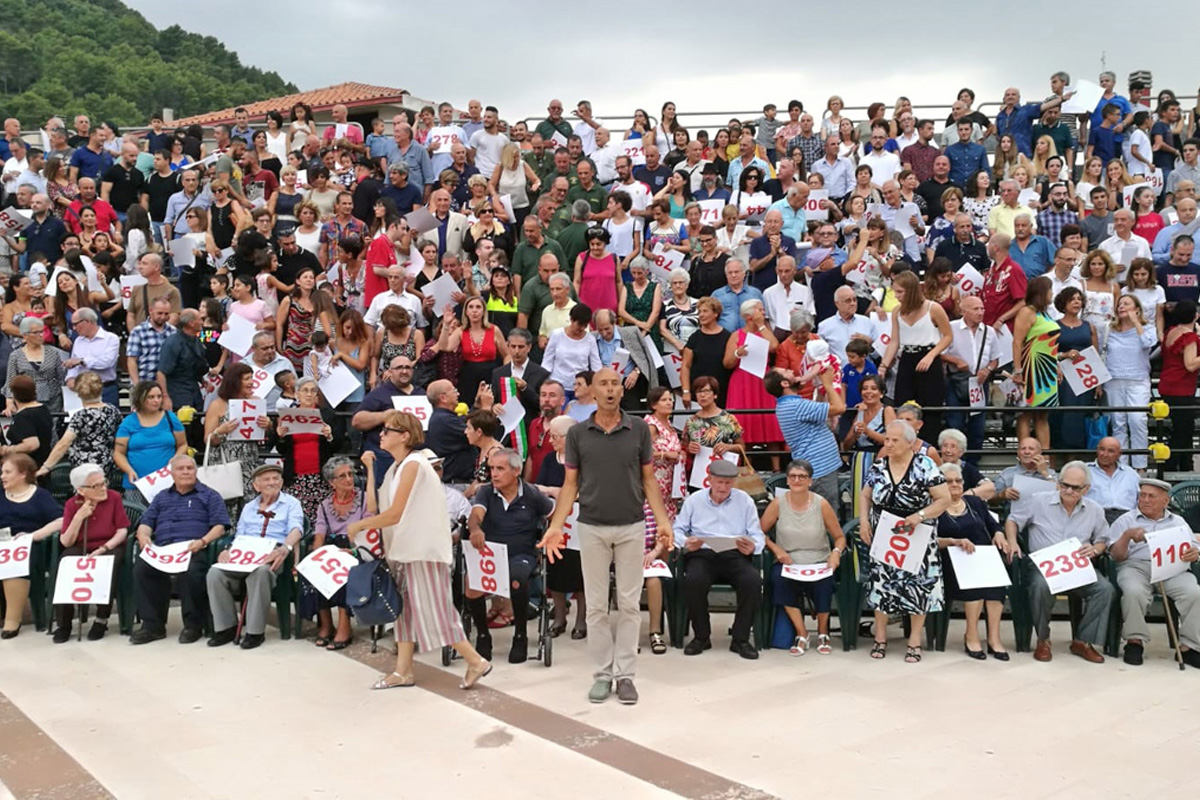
857	367
286	381
320	360
219	286
377	142
817	359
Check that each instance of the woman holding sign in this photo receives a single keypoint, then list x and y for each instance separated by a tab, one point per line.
25	508
416	543
804	524
94	524
220	425
1035	356
1075	335
304	453
148	438
910	487
966	523
1127	356
745	382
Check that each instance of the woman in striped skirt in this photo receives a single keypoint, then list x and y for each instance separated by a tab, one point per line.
416	541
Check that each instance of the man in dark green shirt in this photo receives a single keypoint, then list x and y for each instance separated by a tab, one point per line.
587	189
560	168
571	238
529	251
554	122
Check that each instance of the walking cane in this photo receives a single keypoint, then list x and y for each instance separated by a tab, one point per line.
1171	626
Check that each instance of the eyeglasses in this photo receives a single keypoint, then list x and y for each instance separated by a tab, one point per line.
386	429
101	485
799	476
1071	487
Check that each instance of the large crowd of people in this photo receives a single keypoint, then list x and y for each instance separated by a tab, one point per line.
565	329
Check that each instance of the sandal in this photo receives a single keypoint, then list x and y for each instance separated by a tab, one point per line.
557	629
323	641
800	646
386	682
879	651
501	620
658	645
336	645
823	646
475	673
912	655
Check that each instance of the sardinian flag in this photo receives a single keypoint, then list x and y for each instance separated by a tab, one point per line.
519	439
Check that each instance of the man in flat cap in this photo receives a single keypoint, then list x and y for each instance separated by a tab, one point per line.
1132	552
718	531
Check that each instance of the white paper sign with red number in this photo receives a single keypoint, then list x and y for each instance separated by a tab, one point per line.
1167	549
327	569
14	557
1086	372
807	573
247	553
487	568
416	405
813	210
83	580
13	221
247	413
154	482
970	281
663	262
372	540
571	529
699	474
657	569
1062	567
883	333
904	551
635	149
301	420
169	558
710	211
262	381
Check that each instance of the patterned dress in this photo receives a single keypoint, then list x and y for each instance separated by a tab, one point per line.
892	590
296	345
640	308
666	440
95	430
1039	360
244	452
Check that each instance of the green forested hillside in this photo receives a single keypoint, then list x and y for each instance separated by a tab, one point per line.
104	59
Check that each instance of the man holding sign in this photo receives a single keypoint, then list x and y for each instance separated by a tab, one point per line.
720	513
609	470
508	511
271	515
187	512
1144	559
1054	517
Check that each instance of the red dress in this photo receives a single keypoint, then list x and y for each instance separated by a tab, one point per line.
746	391
598	283
479	359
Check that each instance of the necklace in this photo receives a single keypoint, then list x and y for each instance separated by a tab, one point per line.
21	496
476	349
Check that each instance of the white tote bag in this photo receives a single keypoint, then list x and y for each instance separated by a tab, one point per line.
224	479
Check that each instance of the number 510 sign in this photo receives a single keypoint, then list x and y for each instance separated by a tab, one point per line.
84	580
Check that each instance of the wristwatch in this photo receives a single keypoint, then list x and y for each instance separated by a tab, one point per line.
921	513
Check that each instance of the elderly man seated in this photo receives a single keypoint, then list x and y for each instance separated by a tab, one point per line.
1052	518
275	515
1030	463
1128	546
186	511
509	511
1114	485
718	531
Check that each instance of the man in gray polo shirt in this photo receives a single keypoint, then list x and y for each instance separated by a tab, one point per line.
608	469
1054	517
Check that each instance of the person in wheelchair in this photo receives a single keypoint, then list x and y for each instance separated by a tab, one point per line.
508	511
188	511
725	515
1128	547
273	514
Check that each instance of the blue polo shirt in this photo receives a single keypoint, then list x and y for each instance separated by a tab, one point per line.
1105	143
794	222
1019	123
1034	259
805	427
731	305
91	165
45	237
175	517
765	278
516	525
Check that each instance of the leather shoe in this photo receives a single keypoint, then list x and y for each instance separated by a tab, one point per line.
1192	658
97	631
10	634
189	635
744	649
483	646
62	634
144	635
252	640
697	646
1086	652
519	652
1042	651
222	637
1133	653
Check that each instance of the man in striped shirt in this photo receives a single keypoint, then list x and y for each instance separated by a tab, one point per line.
805	426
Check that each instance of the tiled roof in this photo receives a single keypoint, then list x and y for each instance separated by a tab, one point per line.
350	94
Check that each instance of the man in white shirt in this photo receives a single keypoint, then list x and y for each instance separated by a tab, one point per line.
838	172
970	360
443	137
786	295
14	166
587	126
604	156
638	192
1114	485
487	143
397	280
846	324
884	165
693	164
900	215
95	350
1063	276
1124	245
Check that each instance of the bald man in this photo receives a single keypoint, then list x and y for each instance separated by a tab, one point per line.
341	127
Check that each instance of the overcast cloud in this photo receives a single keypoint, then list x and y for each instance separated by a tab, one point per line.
621	55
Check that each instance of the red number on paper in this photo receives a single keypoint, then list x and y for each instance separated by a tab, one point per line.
487	566
486	551
1065	564
1081	561
489	583
1047	568
81	595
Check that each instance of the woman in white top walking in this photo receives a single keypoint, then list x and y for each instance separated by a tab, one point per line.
416	541
920	333
1127	355
513	177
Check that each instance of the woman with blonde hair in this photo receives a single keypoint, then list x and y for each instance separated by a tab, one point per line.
285	199
1116	178
481	346
226	218
920	334
1100	291
1043	150
831	120
1127	355
416	541
515	178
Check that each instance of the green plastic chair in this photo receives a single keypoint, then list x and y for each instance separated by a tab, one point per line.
678	607
1185	501
284	595
849	589
125	604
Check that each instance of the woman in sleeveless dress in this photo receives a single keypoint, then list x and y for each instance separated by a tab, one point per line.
283	201
1035	352
920	333
482	347
597	280
866	433
746	389
513	177
235	385
299	315
641	301
1068	431
396	336
416	539
225	218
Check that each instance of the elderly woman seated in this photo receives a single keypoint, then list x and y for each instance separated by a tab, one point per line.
94	524
25	508
952	444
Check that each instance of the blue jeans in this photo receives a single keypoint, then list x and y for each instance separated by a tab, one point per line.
970	424
111	394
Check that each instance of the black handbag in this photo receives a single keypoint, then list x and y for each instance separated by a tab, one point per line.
371	594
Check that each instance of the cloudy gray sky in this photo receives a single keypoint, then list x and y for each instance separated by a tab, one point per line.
622	55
